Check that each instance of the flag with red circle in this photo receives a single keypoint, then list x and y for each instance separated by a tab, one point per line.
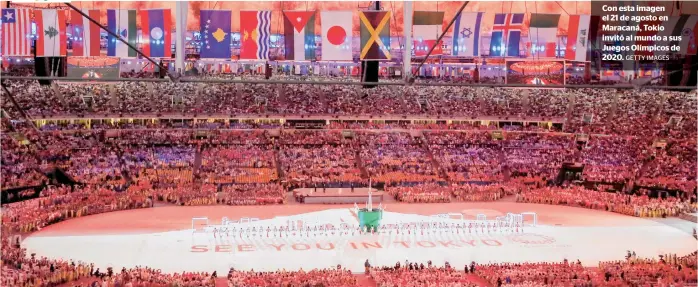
336	35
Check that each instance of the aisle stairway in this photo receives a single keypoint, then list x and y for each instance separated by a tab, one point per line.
122	164
437	166
197	160
478	280
506	172
277	162
61	176
434	163
364	280
82	282
570	111
221	282
360	164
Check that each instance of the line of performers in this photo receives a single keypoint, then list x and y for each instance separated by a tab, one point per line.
421	228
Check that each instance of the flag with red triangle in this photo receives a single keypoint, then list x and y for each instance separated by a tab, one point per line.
299	35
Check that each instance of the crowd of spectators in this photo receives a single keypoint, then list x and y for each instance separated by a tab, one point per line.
673	168
238	164
313	158
421	193
440	192
316	277
325	163
533	154
606	111
487	192
126	163
475	165
613	159
467	156
418	275
538	274
396	157
667	270
633	205
58	203
252	194
19	164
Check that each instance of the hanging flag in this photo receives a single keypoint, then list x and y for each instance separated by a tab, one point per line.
16	32
215	34
506	35
674	26
542	34
122	23
299	35
51	38
336	35
84	33
375	35
466	34
595	24
255	29
577	38
427	26
689	33
156	32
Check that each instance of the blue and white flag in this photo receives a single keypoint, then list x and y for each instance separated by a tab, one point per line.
466	34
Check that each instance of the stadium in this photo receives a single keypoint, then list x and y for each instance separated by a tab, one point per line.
300	144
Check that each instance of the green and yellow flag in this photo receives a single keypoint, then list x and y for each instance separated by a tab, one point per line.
375	35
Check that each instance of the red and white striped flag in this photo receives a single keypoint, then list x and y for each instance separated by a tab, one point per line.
16	30
51	38
85	34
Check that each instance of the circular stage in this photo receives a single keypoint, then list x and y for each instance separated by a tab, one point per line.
162	238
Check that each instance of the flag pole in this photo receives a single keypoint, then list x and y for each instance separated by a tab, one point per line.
181	11
172	78
370	196
407	31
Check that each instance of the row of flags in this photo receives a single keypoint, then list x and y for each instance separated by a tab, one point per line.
299	33
51	32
